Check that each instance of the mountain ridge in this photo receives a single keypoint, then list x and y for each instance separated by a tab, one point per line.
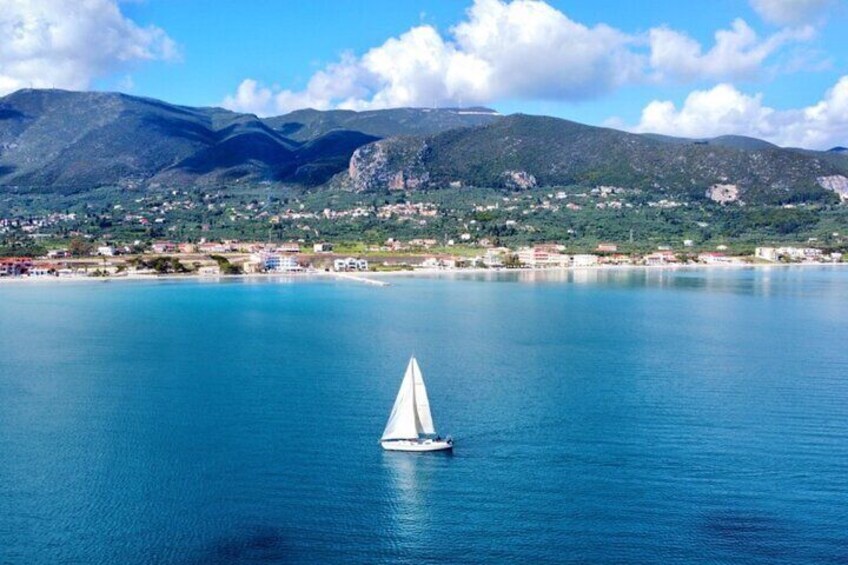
56	140
547	151
63	141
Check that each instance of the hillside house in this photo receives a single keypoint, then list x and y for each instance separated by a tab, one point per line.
289	247
164	246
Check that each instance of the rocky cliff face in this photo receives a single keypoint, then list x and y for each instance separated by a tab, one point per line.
836	183
723	193
394	164
518	179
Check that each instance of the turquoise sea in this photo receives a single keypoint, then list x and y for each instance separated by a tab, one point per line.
599	416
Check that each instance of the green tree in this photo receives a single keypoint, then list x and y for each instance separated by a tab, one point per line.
79	247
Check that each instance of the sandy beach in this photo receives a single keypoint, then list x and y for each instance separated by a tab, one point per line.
367	277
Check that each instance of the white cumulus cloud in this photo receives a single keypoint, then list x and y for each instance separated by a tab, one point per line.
523	48
724	109
738	52
519	49
45	43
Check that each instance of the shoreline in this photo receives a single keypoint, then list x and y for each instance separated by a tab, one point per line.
372	277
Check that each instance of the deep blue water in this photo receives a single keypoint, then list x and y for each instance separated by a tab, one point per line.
662	416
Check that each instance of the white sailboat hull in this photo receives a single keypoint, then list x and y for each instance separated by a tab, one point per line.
417	445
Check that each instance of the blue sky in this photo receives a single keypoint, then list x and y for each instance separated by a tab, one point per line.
777	68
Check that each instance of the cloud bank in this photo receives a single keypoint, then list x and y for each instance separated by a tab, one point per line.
523	49
725	110
55	43
790	12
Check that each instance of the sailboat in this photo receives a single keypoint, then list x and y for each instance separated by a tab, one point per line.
410	426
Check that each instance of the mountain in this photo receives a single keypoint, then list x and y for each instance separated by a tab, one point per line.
68	141
521	151
60	141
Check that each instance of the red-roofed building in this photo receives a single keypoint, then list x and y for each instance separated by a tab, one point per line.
14	266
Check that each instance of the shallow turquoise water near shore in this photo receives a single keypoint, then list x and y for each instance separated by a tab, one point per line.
630	416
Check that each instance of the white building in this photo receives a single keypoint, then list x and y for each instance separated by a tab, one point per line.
766	254
494	257
289	247
809	254
268	262
350	264
209	270
40	272
289	265
275	263
584	260
431	263
715	258
540	256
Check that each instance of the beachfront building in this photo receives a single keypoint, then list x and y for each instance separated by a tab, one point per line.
289	265
607	248
714	258
350	264
584	260
263	262
766	254
209	270
494	256
106	250
322	248
614	259
42	270
659	258
792	254
431	263
15	266
540	256
812	254
272	263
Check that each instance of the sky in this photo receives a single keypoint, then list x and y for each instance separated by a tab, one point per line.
773	69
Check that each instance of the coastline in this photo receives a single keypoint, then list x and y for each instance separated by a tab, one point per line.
366	277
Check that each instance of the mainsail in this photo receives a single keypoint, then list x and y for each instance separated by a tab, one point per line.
410	415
